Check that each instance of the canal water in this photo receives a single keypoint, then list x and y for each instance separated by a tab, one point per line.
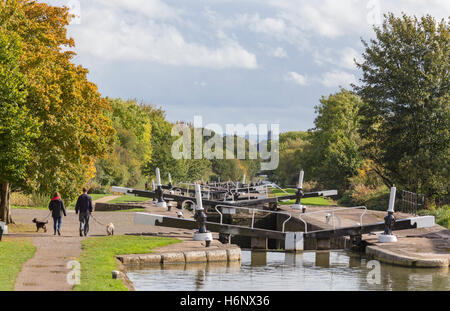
278	271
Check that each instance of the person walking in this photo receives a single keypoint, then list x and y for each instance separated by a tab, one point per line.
84	207
56	206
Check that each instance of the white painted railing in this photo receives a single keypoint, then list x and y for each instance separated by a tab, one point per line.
253	210
333	211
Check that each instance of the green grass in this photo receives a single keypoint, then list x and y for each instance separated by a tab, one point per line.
318	201
28	207
13	254
128	198
98	259
130	210
96	196
442	215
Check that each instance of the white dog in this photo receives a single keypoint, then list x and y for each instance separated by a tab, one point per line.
110	229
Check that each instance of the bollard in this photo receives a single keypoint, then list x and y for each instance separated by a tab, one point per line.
389	221
169	207
154	190
115	274
202	234
3	229
299	194
170	185
159	191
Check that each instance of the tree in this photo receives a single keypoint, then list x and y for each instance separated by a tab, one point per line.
74	130
333	153
132	145
292	158
161	141
17	126
405	116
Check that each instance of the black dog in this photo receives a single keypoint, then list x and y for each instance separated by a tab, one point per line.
40	224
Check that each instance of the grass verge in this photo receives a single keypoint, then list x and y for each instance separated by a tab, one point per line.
128	198
442	215
318	201
98	259
28	207
13	254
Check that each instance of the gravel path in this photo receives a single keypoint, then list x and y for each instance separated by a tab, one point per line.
47	270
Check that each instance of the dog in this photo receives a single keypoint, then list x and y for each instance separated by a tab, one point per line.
110	229
40	224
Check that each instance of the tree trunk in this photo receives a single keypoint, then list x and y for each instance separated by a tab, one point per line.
5	211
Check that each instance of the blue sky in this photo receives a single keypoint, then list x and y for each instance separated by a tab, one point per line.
229	61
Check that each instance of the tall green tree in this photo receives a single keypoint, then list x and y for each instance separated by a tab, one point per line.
292	158
132	145
17	126
161	141
405	116
333	154
74	130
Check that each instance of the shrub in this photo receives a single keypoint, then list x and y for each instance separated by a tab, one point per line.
374	198
442	215
21	199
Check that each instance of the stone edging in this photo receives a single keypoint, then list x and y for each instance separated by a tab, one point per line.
108	207
221	255
403	260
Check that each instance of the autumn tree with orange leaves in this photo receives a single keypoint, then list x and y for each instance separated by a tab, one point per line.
66	127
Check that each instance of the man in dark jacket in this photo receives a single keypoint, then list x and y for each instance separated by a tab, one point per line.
58	209
84	206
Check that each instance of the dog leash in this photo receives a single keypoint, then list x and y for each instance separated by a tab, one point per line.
47	216
97	221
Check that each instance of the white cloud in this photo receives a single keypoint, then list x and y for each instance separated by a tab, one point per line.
278	52
348	57
269	25
337	78
154	9
141	30
297	78
333	19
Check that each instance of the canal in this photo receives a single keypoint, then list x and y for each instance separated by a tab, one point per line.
278	271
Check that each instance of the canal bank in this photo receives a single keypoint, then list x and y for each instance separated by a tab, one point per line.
421	248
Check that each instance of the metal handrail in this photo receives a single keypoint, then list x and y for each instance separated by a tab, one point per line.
332	213
253	214
185	201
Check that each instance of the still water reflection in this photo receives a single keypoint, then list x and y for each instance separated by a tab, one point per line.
272	271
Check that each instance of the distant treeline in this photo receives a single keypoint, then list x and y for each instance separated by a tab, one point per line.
143	142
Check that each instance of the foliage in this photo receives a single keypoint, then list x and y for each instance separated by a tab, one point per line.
13	254
132	146
161	141
442	215
374	198
73	128
333	155
98	259
21	199
405	116
292	158
17	126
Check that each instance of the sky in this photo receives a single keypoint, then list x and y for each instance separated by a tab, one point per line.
230	62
